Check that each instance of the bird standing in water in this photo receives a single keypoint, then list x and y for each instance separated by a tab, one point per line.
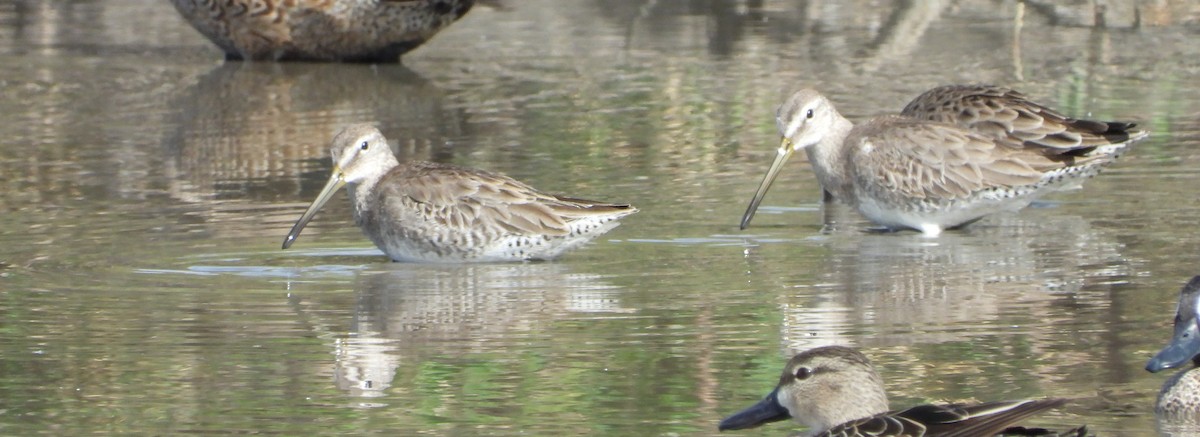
424	211
954	155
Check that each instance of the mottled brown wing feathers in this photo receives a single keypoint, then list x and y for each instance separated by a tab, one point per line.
947	420
463	197
919	159
528	218
881	425
592	204
989	418
575	207
1013	120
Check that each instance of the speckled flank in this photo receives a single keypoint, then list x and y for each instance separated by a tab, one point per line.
423	211
955	211
413	245
320	30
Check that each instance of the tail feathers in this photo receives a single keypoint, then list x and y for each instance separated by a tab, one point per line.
993	417
582	208
1080	431
1110	131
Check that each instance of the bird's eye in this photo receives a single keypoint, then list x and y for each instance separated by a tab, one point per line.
803	373
364	145
809	114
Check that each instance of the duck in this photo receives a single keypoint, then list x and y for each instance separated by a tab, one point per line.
432	212
1179	397
952	156
836	391
375	31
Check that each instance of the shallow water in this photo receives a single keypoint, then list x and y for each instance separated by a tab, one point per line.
147	187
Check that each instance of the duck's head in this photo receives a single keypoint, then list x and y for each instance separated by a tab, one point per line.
1185	345
819	388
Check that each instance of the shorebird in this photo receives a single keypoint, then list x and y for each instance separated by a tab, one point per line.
835	391
424	211
954	155
320	30
1180	394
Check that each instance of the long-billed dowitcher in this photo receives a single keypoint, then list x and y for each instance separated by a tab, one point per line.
1180	394
320	30
955	154
424	211
835	391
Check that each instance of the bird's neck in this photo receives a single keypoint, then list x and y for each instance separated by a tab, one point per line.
829	160
362	189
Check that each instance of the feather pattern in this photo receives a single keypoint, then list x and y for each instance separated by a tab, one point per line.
1012	119
836	392
954	420
320	30
954	155
424	211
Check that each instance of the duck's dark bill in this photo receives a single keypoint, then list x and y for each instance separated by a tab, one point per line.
1184	346
765	411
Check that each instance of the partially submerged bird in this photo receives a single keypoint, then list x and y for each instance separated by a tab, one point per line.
835	391
954	155
424	211
320	30
1180	394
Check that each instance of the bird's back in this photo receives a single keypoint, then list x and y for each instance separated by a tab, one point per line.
984	419
455	213
1012	119
320	30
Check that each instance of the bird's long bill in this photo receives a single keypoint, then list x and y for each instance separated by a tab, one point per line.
765	411
335	182
785	152
1184	346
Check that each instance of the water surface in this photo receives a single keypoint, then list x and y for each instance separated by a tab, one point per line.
147	187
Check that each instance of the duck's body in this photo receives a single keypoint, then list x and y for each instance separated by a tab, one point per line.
835	391
320	30
955	155
423	211
1179	398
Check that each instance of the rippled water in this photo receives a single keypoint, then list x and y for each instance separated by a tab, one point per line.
147	187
